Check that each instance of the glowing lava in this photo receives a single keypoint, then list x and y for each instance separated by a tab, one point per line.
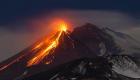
44	48
50	45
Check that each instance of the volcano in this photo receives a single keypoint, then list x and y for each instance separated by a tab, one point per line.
86	44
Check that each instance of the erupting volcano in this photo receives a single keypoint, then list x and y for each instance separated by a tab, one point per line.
49	45
45	47
85	52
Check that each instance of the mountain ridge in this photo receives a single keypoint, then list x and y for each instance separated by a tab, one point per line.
86	41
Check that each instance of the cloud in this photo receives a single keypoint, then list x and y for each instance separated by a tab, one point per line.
134	32
115	20
13	42
112	19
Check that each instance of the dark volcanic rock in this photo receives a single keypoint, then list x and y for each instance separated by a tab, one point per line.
86	41
92	36
86	68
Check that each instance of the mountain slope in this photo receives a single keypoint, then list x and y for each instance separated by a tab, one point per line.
70	47
98	68
95	68
128	44
87	41
125	65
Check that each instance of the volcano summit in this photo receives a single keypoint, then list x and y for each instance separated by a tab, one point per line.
86	53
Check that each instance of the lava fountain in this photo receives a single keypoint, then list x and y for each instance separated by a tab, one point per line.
50	45
44	48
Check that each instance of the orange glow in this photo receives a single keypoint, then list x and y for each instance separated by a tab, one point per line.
59	25
48	45
63	27
45	47
7	65
48	62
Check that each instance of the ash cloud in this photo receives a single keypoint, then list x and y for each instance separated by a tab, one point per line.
13	41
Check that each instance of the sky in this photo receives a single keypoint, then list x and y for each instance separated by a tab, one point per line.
20	19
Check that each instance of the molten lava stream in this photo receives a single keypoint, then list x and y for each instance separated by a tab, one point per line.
51	45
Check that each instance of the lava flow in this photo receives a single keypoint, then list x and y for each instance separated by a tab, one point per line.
50	45
44	47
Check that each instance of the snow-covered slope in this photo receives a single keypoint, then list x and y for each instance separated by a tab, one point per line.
125	66
129	45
